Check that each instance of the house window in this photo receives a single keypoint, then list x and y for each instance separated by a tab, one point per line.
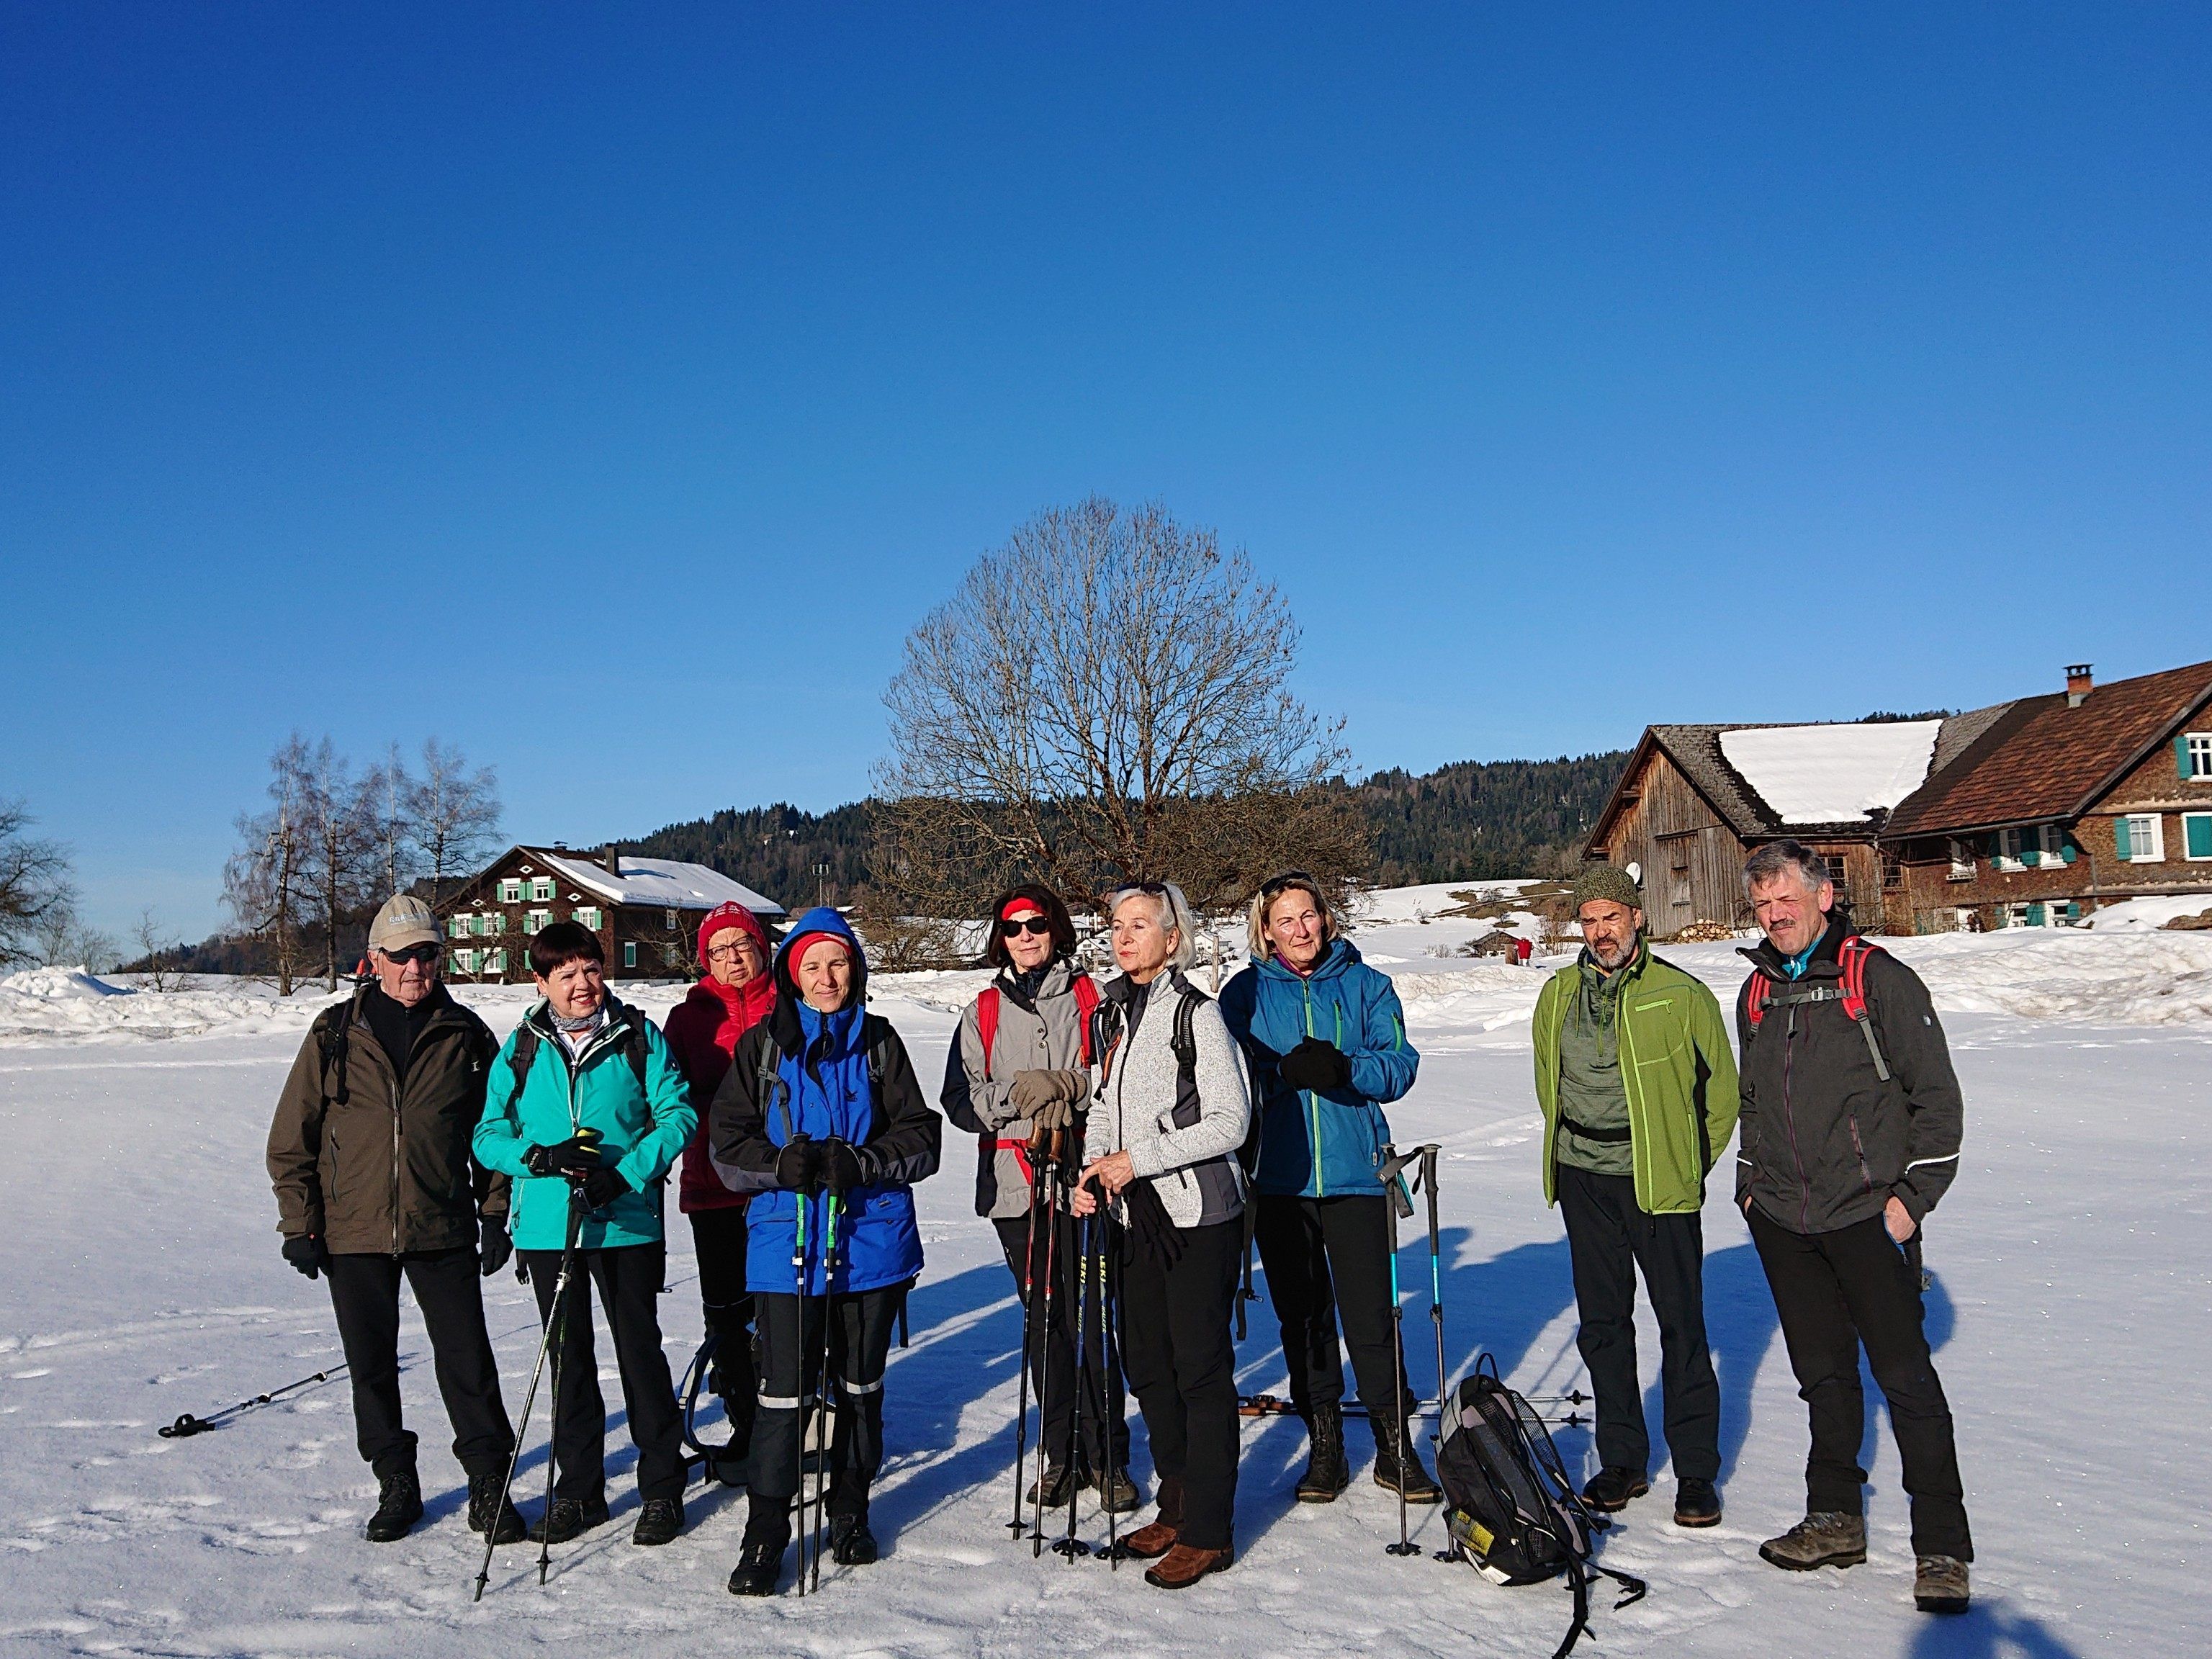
541	889
2051	847
2021	916
1968	918
2061	913
630	953
493	922
2011	850
2197	746
588	917
2140	838
464	961
672	955
673	921
510	892
2196	836
456	926
533	921
495	961
1962	861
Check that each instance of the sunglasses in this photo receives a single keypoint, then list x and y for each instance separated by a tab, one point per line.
425	954
1015	927
1288	879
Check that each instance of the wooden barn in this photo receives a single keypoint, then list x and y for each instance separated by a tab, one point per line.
645	911
1695	800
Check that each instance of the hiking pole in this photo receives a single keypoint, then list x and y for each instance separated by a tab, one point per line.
1052	1145
1028	1344
1110	1310
187	1424
1428	1176
1394	1172
1071	1547
529	1398
558	1325
824	1410
799	1277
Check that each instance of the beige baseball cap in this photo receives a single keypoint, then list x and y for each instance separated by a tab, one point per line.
404	921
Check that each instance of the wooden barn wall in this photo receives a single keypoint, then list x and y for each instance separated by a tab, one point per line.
1692	864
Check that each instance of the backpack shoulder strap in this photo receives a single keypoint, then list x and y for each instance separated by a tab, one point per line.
1755	997
1086	1009
332	1027
519	1062
633	1019
875	1035
1853	956
987	1026
1181	1043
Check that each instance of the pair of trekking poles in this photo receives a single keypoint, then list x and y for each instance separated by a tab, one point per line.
1099	1398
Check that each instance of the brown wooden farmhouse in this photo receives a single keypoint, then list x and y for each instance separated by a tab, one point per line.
2063	804
645	911
1695	800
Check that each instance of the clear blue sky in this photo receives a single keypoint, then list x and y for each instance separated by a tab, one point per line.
607	390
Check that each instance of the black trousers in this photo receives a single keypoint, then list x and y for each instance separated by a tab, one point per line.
1326	1260
1053	1373
858	1325
1609	1238
628	1277
1181	1365
1835	1291
365	1296
719	1239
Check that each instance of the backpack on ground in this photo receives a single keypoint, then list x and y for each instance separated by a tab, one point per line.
1514	1515
1760	994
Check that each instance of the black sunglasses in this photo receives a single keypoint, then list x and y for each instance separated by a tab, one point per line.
1289	878
425	954
1036	927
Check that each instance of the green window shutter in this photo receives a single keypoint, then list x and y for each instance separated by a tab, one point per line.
2181	753
2068	848
2035	917
2197	835
2120	842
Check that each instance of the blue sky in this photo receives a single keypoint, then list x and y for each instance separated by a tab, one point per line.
608	390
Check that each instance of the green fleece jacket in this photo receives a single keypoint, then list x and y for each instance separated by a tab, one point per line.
1676	1068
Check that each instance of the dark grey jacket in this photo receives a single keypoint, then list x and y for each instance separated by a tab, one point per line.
1825	1141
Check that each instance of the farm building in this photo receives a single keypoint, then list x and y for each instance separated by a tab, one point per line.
645	911
2066	802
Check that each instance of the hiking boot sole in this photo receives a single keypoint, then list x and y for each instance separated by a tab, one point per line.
1712	1519
1617	1504
1941	1603
1839	1559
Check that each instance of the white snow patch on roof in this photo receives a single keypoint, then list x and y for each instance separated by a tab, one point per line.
1833	773
665	882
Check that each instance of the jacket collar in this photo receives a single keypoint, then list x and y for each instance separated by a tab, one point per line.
612	1029
1337	956
1822	964
1632	969
1058	977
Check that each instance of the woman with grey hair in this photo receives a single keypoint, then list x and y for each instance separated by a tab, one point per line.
1326	1039
1167	1117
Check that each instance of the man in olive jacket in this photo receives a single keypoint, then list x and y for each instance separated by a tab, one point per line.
1639	1090
370	1156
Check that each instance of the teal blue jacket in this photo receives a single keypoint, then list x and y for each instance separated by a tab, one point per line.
1314	1144
642	1131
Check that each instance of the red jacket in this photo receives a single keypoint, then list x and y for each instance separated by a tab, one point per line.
701	1030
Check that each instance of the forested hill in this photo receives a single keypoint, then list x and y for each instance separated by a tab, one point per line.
1473	819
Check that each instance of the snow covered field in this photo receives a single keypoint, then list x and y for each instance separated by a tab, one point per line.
2070	1311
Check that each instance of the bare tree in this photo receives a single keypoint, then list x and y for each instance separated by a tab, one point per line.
34	881
164	969
66	939
1106	699
388	792
340	835
264	882
453	815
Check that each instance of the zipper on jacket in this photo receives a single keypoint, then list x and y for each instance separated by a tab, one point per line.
1790	1114
1866	1176
1312	1100
1624	1047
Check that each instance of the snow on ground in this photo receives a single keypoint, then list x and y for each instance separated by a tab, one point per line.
2140	915
2069	1312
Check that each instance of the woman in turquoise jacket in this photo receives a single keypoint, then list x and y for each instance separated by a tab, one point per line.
586	1110
1326	1041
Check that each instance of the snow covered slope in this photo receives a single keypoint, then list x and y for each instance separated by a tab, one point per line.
2070	1313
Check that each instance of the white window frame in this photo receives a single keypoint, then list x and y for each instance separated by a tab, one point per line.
510	890
630	953
587	916
1962	861
2186	819
541	890
495	961
1965	917
2199	744
535	921
464	961
456	926
2016	915
2012	847
2156	820
2049	847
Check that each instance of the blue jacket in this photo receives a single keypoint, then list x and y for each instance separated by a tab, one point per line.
845	1074
642	1131
1314	1145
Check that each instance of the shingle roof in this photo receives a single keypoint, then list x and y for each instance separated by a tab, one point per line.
2041	761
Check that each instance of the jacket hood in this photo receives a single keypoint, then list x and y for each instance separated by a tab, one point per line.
820	920
1339	955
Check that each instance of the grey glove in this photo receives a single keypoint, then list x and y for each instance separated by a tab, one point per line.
1049	1099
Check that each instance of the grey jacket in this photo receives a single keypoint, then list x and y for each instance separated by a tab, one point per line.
1033	1036
1134	1103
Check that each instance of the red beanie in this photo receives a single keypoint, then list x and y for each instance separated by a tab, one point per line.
795	950
723	916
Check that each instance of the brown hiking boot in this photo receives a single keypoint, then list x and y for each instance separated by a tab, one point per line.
1185	1565
1826	1538
1158	1536
1939	1584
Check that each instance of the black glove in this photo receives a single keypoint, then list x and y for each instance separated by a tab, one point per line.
1315	1065
602	1187
493	1245
305	1251
578	1155
842	1169
798	1166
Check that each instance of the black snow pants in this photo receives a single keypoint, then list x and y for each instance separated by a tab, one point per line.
718	1237
365	1296
1181	1365
860	1324
1328	1259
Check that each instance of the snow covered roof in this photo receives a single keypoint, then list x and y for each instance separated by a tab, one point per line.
665	882
1833	773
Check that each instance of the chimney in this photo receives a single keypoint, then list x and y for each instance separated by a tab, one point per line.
2078	684
611	857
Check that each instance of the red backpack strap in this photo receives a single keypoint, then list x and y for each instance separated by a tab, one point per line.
1852	956
1755	997
986	1024
1086	1005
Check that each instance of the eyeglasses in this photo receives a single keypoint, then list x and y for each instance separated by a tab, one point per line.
425	954
733	952
1036	927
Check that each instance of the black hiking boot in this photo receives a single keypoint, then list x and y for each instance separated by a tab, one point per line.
760	1558
1326	1475
851	1543
1610	1489
1939	1584
398	1507
487	1495
569	1517
1058	1486
658	1521
1398	1466
1696	1503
